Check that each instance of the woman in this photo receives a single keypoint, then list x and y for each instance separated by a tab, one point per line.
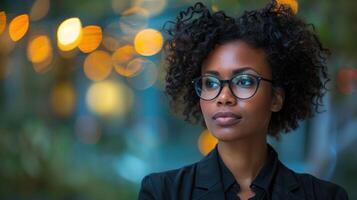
244	78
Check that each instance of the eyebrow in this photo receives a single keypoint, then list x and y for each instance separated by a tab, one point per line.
236	71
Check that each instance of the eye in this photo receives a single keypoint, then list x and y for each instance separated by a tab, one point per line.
244	81
210	83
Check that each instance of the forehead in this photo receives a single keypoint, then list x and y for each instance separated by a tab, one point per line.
230	57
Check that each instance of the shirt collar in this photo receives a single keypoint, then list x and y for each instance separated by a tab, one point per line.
264	178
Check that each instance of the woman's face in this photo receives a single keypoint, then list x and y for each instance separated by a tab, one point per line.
239	118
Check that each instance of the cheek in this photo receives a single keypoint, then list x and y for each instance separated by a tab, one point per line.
204	107
258	107
207	108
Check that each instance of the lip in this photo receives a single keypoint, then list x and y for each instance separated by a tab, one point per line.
226	118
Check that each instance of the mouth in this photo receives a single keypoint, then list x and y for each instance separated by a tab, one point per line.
226	118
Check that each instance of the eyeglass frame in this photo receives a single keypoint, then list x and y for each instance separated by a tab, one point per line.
228	81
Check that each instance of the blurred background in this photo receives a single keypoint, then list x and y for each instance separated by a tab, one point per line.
82	109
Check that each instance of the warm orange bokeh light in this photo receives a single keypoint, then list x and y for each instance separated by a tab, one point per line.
148	42
18	27
98	65
2	21
39	49
121	58
39	9
91	38
206	142
293	4
69	34
63	99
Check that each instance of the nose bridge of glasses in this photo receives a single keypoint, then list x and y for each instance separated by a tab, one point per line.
223	83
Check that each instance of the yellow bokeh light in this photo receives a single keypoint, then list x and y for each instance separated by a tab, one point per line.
69	34
121	58
43	66
2	21
293	4
146	75
206	142
148	42
39	9
109	98
98	65
154	7
63	99
91	38
18	27
39	49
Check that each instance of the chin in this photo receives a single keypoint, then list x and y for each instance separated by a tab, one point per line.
228	134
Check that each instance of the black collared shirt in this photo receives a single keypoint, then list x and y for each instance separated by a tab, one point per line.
202	181
261	185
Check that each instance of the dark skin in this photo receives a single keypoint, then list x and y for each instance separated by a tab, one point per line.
242	145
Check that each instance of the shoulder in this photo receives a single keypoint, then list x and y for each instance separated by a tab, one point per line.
307	186
160	185
321	189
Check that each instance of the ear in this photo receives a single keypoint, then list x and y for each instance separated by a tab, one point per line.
278	99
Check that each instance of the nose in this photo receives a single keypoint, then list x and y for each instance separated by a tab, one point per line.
226	97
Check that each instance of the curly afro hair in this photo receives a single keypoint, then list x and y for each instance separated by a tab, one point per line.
294	52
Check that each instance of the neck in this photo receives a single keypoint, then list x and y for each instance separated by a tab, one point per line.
244	158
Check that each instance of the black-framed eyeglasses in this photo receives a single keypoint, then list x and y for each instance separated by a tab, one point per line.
242	86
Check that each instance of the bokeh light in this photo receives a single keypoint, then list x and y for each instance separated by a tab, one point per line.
91	38
148	42
154	7
121	58
39	49
147	75
63	99
98	65
39	9
2	21
206	142
69	34
109	98
293	4
18	27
